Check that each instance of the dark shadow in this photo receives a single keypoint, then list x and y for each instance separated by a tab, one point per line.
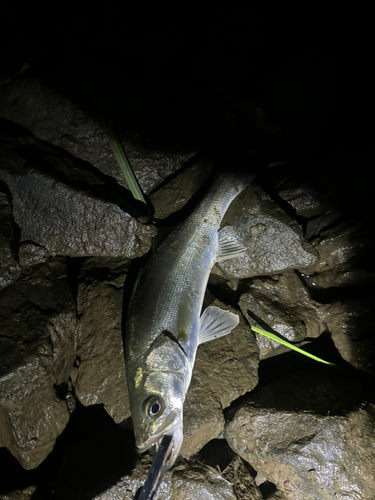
89	457
293	382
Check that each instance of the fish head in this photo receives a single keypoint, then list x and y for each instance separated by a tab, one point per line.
157	393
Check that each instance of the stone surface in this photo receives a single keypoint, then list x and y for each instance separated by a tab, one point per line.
281	304
9	266
187	480
295	435
244	484
308	189
101	371
31	416
54	117
68	221
345	257
351	325
38	350
177	192
224	370
24	494
274	240
30	254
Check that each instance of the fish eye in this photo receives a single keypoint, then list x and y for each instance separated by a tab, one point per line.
153	406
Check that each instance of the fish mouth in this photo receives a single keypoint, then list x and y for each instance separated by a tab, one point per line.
158	435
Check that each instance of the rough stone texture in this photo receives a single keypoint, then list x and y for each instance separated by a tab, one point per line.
351	325
24	494
244	484
9	266
345	257
177	192
274	240
285	306
224	370
294	434
38	349
312	193
67	221
101	372
30	254
31	416
187	480
278	495
55	118
309	193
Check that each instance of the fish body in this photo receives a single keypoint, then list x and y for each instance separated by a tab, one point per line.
165	325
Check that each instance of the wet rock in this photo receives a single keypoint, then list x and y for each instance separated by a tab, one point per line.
177	192
38	346
308	190
67	221
295	434
31	415
101	371
188	480
274	240
345	257
224	370
351	325
278	495
281	304
244	484
9	266
56	118
30	254
24	494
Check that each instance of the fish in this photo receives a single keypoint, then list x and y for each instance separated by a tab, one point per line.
165	325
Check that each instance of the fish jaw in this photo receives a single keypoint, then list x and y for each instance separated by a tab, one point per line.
173	426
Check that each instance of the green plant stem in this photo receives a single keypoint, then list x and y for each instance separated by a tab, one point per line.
291	346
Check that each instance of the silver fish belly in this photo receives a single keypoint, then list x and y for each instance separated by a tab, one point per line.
165	325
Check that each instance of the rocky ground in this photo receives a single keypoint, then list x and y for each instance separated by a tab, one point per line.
260	422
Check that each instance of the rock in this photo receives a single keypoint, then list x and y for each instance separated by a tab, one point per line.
56	118
67	221
310	190
297	437
278	495
224	370
284	306
24	494
345	257
274	240
196	481
38	346
101	371
30	254
31	415
351	325
9	266
188	480
177	192
244	485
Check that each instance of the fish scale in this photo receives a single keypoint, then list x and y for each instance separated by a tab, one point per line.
165	326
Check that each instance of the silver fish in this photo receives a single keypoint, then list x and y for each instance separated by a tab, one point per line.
165	325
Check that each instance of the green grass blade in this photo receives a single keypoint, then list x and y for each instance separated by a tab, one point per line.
123	162
291	346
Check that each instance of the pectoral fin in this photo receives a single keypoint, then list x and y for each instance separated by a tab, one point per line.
216	323
229	244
